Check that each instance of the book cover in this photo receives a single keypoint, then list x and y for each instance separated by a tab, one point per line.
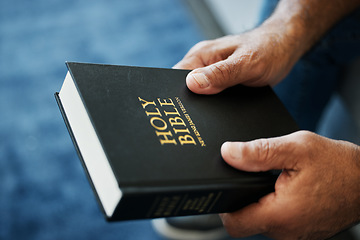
151	147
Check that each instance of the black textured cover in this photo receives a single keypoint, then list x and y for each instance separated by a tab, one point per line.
161	179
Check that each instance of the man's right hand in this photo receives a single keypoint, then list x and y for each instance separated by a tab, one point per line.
316	195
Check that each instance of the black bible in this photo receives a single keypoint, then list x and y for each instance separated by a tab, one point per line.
151	147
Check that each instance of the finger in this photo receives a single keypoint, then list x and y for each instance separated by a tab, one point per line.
189	62
214	78
265	154
253	219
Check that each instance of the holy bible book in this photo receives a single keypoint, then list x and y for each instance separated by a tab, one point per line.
151	147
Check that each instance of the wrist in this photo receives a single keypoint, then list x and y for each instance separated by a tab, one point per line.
290	35
302	23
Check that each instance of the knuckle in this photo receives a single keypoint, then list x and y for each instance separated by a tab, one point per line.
198	55
306	138
263	149
254	68
201	45
221	73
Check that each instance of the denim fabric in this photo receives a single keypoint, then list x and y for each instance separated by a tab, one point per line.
313	80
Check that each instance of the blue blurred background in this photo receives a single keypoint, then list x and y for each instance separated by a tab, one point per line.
44	193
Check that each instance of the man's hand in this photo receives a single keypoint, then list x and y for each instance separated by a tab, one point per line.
265	55
256	58
316	195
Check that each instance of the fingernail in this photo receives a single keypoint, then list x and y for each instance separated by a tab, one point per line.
225	146
200	79
232	149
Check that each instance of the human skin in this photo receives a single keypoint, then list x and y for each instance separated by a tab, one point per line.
318	193
266	54
316	196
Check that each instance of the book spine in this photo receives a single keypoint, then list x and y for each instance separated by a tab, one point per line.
218	199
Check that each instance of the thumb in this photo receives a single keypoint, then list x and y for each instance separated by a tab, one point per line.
214	78
264	154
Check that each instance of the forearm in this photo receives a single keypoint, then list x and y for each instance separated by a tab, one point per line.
266	54
301	23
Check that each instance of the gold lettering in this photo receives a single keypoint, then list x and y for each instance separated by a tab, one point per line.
161	208
172	113
161	128
153	113
176	121
195	130
172	205
189	120
165	103
166	140
181	125
146	102
186	130
186	139
180	105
